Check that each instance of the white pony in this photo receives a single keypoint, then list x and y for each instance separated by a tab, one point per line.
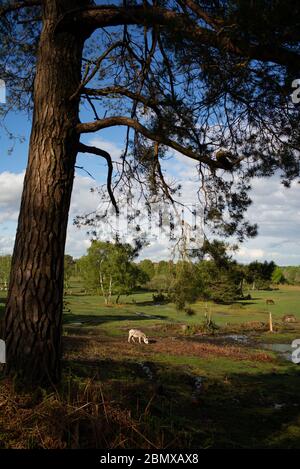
135	333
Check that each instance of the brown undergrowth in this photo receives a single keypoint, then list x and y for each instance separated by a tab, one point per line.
74	417
85	346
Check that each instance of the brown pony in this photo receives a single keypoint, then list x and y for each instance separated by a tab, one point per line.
269	301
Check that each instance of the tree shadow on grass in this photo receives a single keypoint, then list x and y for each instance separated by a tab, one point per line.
148	303
243	411
2	308
246	303
142	303
89	319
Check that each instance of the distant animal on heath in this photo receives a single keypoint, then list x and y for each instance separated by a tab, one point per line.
136	334
289	318
269	301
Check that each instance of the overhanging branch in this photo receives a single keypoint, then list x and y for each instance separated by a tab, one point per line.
101	16
104	154
89	127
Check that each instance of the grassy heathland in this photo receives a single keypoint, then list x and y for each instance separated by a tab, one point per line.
186	388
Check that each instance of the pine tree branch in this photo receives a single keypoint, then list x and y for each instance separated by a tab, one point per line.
104	154
89	127
90	76
122	91
101	16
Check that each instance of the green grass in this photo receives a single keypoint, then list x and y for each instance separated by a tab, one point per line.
287	301
243	403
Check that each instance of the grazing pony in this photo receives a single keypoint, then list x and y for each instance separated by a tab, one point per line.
135	333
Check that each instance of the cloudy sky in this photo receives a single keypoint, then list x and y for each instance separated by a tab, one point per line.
274	208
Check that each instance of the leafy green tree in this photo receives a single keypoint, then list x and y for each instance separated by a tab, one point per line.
221	285
260	274
160	282
278	276
69	265
218	251
164	268
292	274
148	267
126	275
222	277
109	269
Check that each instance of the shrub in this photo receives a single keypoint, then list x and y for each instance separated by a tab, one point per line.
189	311
209	325
159	298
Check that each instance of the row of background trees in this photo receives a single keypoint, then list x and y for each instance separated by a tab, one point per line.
112	270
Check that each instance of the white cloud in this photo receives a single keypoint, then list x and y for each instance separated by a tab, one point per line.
106	145
83	200
6	244
276	211
77	242
274	208
157	252
248	253
10	195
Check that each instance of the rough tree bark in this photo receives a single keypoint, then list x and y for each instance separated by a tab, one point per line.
32	324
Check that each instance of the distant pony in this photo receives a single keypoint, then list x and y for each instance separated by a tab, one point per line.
289	318
269	301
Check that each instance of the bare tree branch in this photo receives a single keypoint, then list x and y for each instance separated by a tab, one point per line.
122	91
88	77
89	100
85	170
104	154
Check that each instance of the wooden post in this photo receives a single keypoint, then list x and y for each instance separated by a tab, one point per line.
271	322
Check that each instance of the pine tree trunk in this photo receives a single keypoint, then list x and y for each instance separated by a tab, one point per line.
33	317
